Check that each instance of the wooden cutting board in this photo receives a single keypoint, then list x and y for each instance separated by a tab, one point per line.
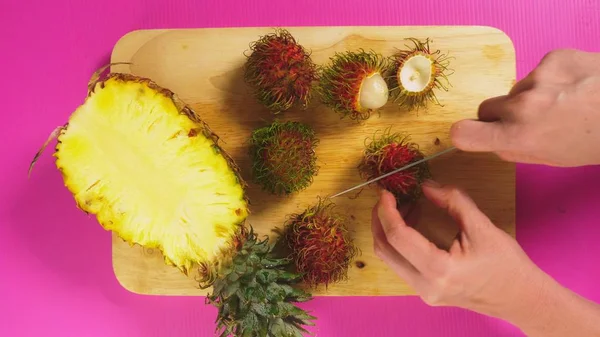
204	66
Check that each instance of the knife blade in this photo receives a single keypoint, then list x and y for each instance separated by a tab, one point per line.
395	171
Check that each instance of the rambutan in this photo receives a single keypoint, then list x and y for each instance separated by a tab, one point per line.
389	152
280	71
353	84
417	73
283	155
319	243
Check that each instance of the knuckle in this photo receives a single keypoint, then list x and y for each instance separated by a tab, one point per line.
557	56
539	75
529	101
432	298
439	292
454	192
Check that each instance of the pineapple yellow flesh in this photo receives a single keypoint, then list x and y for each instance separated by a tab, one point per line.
150	174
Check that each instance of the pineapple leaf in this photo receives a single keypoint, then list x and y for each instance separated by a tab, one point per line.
287	276
273	263
230	290
233	277
254	259
260	309
266	276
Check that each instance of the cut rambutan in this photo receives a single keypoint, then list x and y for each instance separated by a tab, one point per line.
319	243
354	85
389	152
283	155
417	73
280	71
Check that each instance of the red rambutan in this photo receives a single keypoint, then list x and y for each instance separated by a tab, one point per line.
283	156
389	152
353	84
280	71
319	243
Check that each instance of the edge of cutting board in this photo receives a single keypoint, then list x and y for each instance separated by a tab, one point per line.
138	283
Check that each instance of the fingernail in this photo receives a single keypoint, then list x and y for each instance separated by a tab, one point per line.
431	183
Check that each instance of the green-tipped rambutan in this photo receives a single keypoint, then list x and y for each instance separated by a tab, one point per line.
284	158
417	73
280	71
354	85
389	152
319	243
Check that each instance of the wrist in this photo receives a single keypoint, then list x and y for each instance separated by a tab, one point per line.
548	309
536	305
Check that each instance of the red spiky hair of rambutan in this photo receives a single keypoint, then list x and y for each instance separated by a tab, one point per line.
280	71
319	243
389	152
353	84
283	156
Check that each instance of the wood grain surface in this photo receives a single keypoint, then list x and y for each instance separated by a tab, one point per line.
204	67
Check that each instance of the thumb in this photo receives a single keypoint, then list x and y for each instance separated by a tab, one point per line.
478	136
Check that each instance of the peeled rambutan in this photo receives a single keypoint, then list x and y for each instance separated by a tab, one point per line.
417	73
280	71
353	84
283	155
319	243
389	152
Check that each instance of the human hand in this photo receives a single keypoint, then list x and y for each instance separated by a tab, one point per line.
485	270
550	117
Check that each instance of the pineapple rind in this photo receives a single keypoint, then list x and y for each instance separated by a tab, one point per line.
152	171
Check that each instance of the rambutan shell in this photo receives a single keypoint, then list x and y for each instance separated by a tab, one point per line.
353	83
283	156
320	244
390	152
280	71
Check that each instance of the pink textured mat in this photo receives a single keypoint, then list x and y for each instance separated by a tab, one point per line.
57	278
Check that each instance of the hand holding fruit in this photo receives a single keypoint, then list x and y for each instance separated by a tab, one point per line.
483	265
550	117
485	270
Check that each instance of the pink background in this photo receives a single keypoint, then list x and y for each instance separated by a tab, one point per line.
57	278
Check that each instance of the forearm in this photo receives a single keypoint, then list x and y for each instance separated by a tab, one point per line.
552	310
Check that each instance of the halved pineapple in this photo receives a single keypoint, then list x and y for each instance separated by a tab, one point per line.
151	171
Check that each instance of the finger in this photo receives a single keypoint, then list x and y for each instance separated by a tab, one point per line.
527	83
458	205
494	109
478	136
407	241
410	213
389	255
459	244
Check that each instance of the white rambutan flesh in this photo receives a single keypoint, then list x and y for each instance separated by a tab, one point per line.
374	92
416	73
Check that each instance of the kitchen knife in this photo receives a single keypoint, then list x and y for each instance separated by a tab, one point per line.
396	171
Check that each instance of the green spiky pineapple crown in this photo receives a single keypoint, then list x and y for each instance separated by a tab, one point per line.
319	242
280	71
391	151
255	294
283	156
340	81
437	74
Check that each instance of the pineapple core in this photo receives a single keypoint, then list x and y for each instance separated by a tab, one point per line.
150	174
